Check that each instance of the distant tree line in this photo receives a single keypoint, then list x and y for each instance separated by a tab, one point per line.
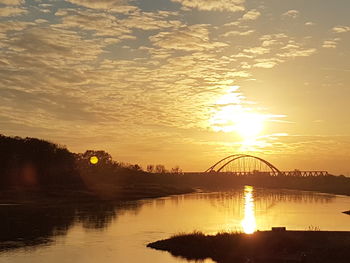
160	169
30	163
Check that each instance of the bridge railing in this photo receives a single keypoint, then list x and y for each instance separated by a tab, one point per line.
305	173
296	173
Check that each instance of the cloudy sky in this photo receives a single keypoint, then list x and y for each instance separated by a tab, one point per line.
181	82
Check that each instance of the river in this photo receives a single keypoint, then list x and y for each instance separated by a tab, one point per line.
119	233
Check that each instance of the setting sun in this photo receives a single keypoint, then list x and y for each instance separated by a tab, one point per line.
248	125
234	115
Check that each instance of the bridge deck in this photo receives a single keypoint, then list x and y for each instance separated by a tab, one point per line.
282	173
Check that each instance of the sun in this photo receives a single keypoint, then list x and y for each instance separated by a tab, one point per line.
234	114
93	159
233	118
249	125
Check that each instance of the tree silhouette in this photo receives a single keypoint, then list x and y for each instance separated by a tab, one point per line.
33	163
150	168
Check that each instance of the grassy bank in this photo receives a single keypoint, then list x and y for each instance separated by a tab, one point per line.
265	246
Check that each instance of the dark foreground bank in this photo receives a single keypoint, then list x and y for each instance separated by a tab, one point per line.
265	246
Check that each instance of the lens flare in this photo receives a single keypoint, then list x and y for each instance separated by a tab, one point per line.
93	160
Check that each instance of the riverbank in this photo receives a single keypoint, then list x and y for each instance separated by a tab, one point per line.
30	218
330	184
66	196
262	246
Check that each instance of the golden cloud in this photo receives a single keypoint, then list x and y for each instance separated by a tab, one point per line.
213	5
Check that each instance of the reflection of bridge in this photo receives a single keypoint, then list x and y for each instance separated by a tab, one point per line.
243	164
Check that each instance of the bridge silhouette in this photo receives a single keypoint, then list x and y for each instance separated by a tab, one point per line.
244	164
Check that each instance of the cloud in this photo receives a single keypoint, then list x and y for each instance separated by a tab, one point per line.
12	2
107	25
257	50
273	39
239	74
213	5
291	14
12	11
251	15
293	49
190	38
109	64
310	24
267	63
331	43
103	25
151	21
58	43
292	53
341	29
274	49
119	6
238	33
64	108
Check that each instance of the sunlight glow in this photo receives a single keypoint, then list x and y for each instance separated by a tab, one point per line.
248	124
248	223
233	113
93	160
232	116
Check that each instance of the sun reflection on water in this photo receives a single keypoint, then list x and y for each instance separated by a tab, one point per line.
248	223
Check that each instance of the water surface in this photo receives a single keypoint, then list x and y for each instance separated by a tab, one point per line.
119	233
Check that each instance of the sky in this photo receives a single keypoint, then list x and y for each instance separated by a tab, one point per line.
181	82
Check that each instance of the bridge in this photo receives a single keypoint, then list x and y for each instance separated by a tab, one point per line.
244	164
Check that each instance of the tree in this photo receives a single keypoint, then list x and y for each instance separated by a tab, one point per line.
150	168
160	169
176	170
135	167
33	163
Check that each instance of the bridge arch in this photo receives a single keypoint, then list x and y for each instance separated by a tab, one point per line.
225	162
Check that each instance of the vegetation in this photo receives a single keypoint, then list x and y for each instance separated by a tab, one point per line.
267	246
33	168
29	164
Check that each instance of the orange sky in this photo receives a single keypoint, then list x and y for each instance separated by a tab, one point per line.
181	82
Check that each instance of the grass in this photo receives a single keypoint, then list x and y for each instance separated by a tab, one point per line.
265	246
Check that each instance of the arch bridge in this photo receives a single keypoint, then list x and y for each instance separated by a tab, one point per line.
245	164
